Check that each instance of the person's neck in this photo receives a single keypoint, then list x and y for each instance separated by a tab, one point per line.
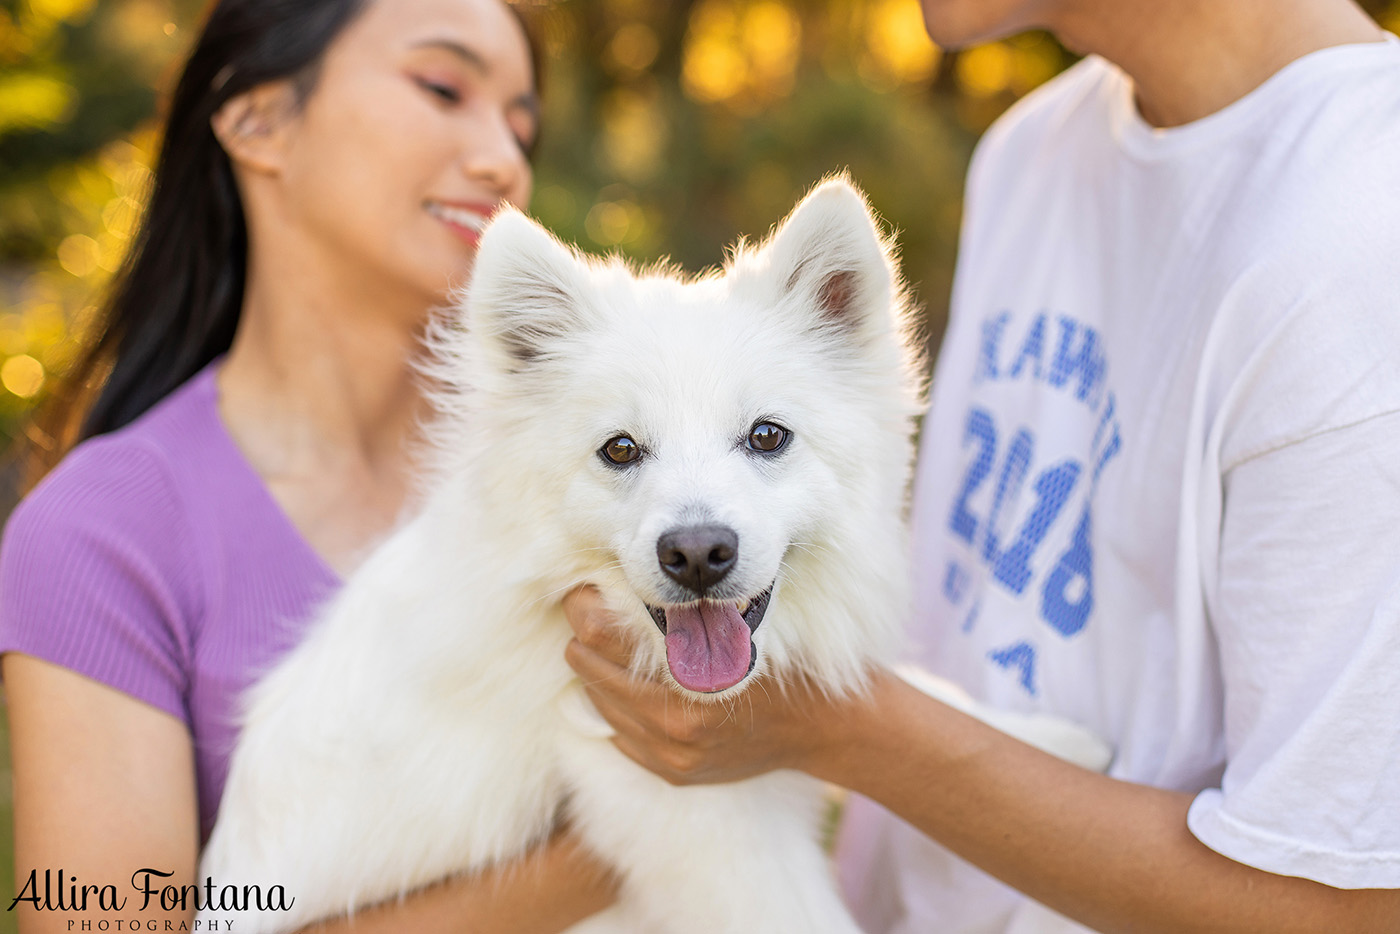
1191	58
327	374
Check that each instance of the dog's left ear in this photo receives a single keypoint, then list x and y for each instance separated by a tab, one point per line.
829	257
526	296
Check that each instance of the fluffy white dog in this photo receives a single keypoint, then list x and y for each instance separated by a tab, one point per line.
726	458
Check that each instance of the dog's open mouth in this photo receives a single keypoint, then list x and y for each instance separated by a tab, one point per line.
709	644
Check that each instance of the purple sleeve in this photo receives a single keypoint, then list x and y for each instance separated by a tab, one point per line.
96	574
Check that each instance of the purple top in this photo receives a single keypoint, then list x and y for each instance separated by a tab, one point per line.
154	559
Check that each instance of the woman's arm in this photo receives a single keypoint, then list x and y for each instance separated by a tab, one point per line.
1113	855
105	786
546	892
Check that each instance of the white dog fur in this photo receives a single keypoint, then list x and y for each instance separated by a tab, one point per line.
417	732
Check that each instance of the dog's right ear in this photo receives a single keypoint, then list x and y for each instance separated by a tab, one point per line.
829	261
526	292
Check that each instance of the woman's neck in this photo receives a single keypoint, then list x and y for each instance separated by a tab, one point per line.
324	392
321	393
1191	58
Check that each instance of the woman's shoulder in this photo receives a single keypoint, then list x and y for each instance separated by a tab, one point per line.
132	476
122	504
101	565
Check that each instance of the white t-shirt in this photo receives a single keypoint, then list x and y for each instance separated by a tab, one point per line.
1159	491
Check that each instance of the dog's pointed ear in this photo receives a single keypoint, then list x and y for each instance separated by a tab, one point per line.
828	255
526	290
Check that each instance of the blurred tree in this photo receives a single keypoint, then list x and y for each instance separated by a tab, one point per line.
670	129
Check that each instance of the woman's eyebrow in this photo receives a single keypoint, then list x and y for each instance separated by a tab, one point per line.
467	55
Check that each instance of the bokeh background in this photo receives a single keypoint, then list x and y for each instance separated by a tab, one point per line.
670	128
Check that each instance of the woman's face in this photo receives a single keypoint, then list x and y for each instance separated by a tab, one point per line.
416	130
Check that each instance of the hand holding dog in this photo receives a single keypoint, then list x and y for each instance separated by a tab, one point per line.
769	727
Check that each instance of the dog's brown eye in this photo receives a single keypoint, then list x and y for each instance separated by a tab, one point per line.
620	451
767	438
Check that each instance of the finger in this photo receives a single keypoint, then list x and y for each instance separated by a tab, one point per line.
642	754
645	696
620	686
618	693
581	606
623	720
593	666
595	626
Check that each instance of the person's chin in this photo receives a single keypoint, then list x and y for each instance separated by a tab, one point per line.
957	26
444	281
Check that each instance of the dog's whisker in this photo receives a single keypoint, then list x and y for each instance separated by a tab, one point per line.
764	688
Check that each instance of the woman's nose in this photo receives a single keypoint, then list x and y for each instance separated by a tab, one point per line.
493	155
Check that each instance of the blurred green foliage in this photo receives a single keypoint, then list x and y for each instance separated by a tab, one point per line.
670	129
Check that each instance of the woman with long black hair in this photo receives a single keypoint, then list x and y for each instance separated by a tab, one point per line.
243	430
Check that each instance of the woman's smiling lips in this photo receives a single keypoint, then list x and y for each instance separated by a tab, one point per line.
465	220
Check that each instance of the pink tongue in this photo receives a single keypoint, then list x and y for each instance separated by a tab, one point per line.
707	646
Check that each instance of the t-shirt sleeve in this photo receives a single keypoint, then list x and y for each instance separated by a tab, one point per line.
1304	580
96	571
1307	619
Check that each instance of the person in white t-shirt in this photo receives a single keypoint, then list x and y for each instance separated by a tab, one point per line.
1159	495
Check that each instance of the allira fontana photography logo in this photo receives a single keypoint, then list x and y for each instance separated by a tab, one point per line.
56	890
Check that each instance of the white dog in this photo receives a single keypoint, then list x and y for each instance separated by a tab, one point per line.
726	458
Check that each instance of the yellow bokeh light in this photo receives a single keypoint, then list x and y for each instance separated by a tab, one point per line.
120	216
112	255
44	325
713	70
1033	67
986	70
610	223
634	48
89	184
22	375
12	340
79	254
899	43
742	54
714	18
634	134
772	39
34	100
62	9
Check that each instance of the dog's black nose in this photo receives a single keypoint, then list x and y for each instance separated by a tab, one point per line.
699	556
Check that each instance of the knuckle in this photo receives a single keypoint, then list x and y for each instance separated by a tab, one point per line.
681	761
581	605
573	653
590	631
690	731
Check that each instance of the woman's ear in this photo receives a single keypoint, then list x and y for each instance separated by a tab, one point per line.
253	126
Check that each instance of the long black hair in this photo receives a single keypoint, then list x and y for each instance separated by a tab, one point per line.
175	303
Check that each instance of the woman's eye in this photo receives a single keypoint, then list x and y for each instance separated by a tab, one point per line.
767	438
620	451
445	92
